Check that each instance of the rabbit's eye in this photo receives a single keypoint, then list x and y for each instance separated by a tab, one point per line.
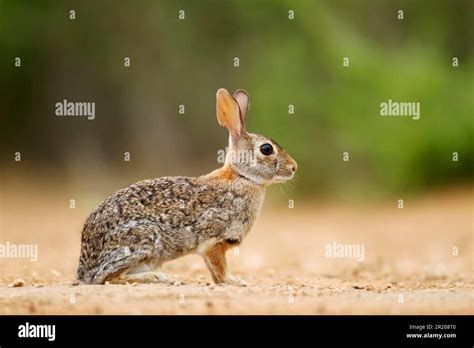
266	149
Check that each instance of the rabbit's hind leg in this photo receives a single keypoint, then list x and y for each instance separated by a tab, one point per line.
142	273
146	277
129	250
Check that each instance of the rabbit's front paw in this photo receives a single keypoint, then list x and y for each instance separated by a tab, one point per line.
236	281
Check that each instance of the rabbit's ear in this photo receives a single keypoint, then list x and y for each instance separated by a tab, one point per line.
243	100
228	113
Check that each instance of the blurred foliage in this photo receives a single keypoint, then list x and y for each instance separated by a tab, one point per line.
282	62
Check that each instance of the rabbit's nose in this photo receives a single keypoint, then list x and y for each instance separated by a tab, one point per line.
294	166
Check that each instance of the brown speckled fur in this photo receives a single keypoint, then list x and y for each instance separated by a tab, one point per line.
157	220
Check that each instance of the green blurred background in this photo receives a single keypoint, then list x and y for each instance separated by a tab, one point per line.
282	62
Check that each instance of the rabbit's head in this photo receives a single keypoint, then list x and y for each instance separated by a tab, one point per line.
253	156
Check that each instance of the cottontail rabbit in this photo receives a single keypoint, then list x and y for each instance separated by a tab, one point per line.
138	228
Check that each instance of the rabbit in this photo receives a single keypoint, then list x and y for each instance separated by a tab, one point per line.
138	228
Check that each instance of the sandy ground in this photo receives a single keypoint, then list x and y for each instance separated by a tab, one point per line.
408	265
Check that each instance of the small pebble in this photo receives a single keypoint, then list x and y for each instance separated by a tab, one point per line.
17	283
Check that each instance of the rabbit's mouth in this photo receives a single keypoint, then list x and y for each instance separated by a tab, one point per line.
280	179
284	173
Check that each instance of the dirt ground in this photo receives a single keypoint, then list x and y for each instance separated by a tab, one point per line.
418	259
